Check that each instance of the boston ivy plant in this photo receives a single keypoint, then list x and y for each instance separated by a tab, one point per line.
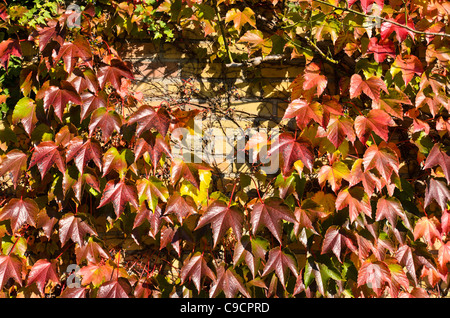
358	208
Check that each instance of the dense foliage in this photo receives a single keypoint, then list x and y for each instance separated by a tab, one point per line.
359	208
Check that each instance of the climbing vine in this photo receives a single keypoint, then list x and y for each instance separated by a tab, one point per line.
94	203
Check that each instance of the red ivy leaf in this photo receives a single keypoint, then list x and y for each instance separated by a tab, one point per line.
368	180
41	272
375	275
377	121
146	118
409	65
180	206
117	288
46	223
91	251
70	52
74	292
53	32
280	262
222	217
10	267
72	227
293	150
334	241
195	268
269	214
229	282
14	163
438	191
119	194
189	171
356	200
435	157
367	4
398	280
83	80
428	228
159	146
304	110
7	48
383	158
392	103
58	97
20	212
45	155
155	147
381	49
313	79
113	74
401	33
107	121
444	255
445	222
171	235
340	128
113	160
305	218
154	218
390	208
405	257
91	102
83	152
3	12
63	136
77	181
371	87
96	273
251	250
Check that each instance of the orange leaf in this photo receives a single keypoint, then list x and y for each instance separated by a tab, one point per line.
240	18
427	228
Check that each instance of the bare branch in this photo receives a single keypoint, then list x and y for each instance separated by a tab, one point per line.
256	61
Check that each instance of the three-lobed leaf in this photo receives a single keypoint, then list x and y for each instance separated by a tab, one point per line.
222	217
41	272
291	150
119	194
270	214
20	212
14	163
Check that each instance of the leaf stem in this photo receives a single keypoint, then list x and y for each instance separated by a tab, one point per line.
14	245
232	192
118	260
65	249
257	189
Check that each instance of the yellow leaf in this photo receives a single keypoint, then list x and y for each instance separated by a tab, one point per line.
240	18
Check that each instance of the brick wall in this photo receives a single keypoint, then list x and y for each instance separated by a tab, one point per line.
257	95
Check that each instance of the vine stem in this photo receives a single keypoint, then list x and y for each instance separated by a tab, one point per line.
311	43
384	19
222	31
